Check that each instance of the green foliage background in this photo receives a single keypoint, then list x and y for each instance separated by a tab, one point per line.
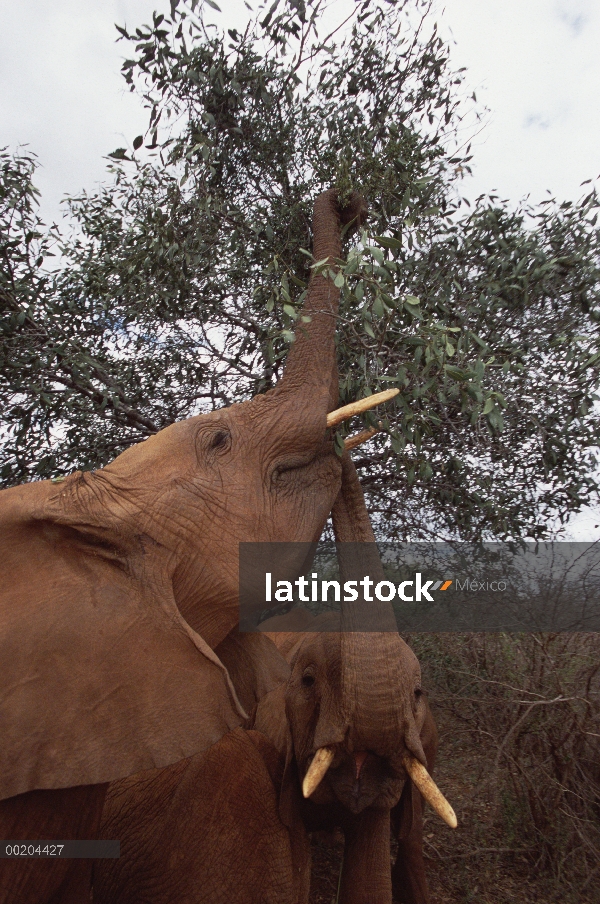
180	283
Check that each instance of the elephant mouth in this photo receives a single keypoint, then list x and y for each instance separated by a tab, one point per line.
366	780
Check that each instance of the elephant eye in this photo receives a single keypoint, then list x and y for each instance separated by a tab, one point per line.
220	440
212	440
308	680
418	694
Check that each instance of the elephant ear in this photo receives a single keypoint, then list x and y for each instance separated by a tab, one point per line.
407	815
101	676
271	720
254	664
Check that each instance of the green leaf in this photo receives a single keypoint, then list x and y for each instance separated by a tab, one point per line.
398	443
338	444
119	154
413	309
377	253
214	5
591	361
378	310
496	420
138	142
455	372
489	406
387	242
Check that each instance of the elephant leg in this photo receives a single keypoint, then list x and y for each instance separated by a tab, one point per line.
57	814
366	869
408	873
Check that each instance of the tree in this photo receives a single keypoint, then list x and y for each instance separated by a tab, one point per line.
181	280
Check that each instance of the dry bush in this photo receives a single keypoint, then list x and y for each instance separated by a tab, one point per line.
530	704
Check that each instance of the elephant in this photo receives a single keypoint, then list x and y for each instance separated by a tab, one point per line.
253	815
357	726
205	830
359	792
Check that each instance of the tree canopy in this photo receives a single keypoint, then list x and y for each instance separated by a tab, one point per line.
180	280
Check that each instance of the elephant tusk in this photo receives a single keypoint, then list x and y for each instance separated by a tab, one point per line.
430	790
353	441
317	769
342	414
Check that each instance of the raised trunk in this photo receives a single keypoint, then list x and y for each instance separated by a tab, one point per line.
311	365
376	676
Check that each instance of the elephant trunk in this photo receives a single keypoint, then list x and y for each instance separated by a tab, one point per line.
311	363
377	665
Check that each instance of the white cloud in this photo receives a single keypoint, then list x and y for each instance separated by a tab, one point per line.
575	14
61	89
535	65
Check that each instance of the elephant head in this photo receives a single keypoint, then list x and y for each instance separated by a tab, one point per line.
119	584
369	793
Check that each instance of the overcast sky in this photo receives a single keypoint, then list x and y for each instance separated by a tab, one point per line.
534	63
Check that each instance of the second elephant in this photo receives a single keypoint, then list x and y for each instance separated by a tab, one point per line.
363	792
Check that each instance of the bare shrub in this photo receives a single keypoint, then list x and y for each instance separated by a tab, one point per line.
531	702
